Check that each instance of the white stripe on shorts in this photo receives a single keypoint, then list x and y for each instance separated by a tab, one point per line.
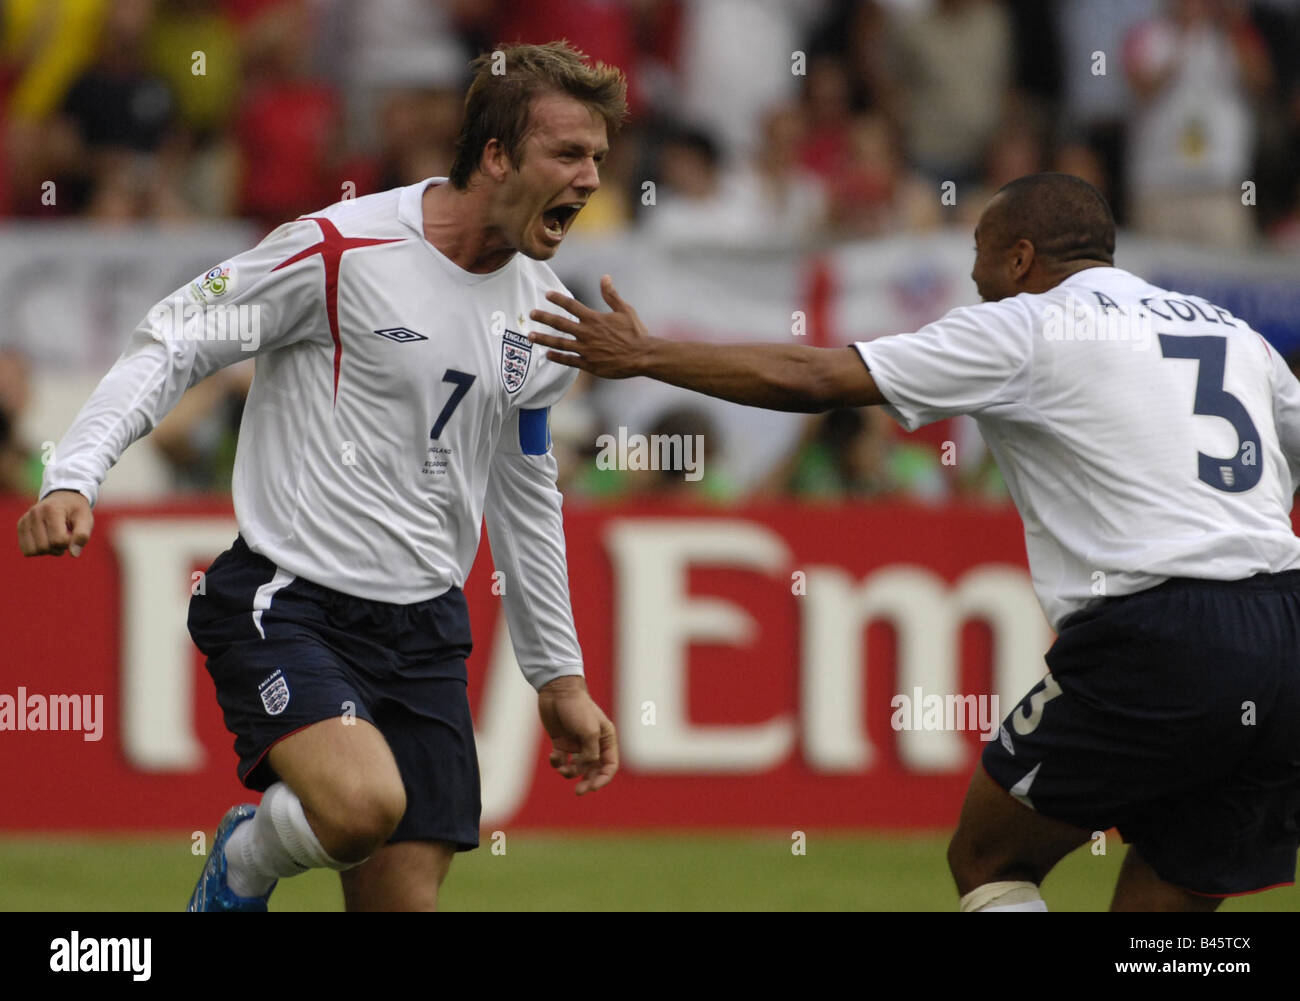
262	599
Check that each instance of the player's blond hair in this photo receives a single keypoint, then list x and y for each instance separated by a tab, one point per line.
499	103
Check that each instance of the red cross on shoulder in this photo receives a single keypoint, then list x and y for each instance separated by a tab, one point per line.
331	248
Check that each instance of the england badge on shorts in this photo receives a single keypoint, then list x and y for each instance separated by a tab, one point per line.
275	693
516	353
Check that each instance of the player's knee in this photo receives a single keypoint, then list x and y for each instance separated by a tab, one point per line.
975	861
361	819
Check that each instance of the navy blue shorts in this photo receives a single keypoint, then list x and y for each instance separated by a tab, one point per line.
1173	715
285	653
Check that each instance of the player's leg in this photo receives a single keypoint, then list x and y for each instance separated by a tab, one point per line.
338	799
1140	889
427	724
420	703
1002	850
303	733
398	798
402	876
347	780
1173	715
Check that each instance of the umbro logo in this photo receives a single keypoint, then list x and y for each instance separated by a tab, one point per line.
401	335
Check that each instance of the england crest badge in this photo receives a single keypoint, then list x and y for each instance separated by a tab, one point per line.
275	693
516	353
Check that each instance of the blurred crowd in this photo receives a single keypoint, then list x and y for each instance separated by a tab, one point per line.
758	121
763	118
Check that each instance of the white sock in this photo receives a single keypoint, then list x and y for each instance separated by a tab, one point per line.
1004	896
277	843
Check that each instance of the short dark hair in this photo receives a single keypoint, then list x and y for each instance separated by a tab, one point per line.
1063	216
499	104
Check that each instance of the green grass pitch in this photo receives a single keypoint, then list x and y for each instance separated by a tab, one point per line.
543	871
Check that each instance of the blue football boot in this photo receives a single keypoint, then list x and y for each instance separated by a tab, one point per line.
212	893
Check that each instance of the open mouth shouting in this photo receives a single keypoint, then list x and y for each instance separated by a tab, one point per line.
557	219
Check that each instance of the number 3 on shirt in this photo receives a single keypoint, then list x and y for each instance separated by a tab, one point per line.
463	381
1242	470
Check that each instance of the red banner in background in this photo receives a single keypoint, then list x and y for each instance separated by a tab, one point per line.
766	666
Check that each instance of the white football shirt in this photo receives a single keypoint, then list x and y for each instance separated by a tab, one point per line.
396	401
1135	450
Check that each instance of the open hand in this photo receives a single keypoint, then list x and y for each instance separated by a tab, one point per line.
609	345
583	741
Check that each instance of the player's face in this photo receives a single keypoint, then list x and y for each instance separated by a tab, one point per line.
558	172
989	273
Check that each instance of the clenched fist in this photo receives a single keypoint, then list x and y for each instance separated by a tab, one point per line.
59	523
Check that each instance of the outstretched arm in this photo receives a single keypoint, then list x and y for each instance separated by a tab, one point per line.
616	345
242	307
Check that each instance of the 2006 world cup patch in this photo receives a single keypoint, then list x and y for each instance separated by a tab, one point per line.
516	353
213	284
